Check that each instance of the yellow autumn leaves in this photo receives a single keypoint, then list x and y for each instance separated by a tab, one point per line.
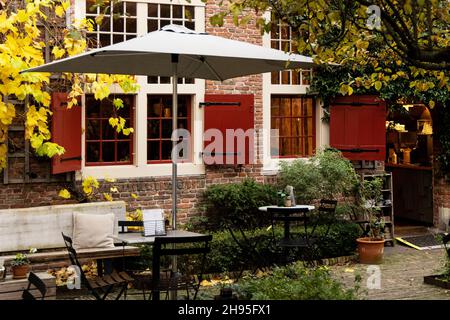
23	47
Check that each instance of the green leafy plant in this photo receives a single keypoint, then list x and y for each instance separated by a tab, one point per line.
326	175
20	260
371	196
236	204
294	282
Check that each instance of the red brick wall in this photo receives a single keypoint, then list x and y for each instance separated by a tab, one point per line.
156	191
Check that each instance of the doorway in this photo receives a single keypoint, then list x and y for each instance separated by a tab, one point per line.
409	143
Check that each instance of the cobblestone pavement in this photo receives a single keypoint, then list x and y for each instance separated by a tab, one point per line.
402	273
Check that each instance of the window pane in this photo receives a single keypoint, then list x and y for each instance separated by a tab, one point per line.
295	77
306	77
92	107
92	151
152	10
295	121
285	147
285	127
296	146
154	108
152	79
118	24
93	130
105	24
152	25
275	77
164	80
189	12
296	127
166	128
90	6
285	107
165	11
131	25
118	8
275	123
285	77
296	107
153	150
106	108
153	129
108	132
190	25
131	8
118	38
166	150
182	124
177	11
275	107
163	23
108	151
123	151
105	40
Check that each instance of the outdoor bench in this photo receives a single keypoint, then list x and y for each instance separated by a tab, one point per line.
41	227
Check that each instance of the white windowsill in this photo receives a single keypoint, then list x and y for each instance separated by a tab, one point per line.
146	171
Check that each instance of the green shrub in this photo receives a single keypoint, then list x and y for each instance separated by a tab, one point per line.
340	240
294	282
327	175
236	205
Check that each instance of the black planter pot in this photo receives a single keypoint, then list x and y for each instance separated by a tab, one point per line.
437	280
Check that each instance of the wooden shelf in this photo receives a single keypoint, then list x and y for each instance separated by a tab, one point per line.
387	210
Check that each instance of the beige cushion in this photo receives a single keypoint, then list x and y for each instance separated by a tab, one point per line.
93	230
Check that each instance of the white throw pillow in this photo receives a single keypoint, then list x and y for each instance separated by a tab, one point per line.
93	230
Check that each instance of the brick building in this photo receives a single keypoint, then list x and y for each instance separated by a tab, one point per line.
141	162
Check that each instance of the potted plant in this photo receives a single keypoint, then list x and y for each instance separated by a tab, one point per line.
371	248
20	266
281	198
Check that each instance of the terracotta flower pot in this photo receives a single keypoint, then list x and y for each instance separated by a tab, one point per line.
370	250
20	272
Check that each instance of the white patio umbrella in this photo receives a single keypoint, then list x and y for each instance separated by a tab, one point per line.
179	52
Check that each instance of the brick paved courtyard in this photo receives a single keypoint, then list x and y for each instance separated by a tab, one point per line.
401	275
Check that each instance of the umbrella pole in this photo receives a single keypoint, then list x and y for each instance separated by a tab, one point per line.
174	139
174	159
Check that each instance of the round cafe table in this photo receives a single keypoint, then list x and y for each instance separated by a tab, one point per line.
287	214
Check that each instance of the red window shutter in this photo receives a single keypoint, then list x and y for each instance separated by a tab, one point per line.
237	114
66	131
358	127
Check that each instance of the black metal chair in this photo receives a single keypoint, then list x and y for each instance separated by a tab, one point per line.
37	283
178	246
325	215
362	220
446	240
100	287
303	241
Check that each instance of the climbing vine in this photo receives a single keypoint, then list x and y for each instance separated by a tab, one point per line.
32	32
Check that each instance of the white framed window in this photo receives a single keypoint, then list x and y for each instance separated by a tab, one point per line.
298	118
117	22
128	19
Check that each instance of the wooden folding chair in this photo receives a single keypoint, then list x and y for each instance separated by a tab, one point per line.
100	287
36	282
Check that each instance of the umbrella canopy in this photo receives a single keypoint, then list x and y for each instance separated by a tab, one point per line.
179	52
200	56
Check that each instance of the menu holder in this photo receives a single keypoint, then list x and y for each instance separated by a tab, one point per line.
154	224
